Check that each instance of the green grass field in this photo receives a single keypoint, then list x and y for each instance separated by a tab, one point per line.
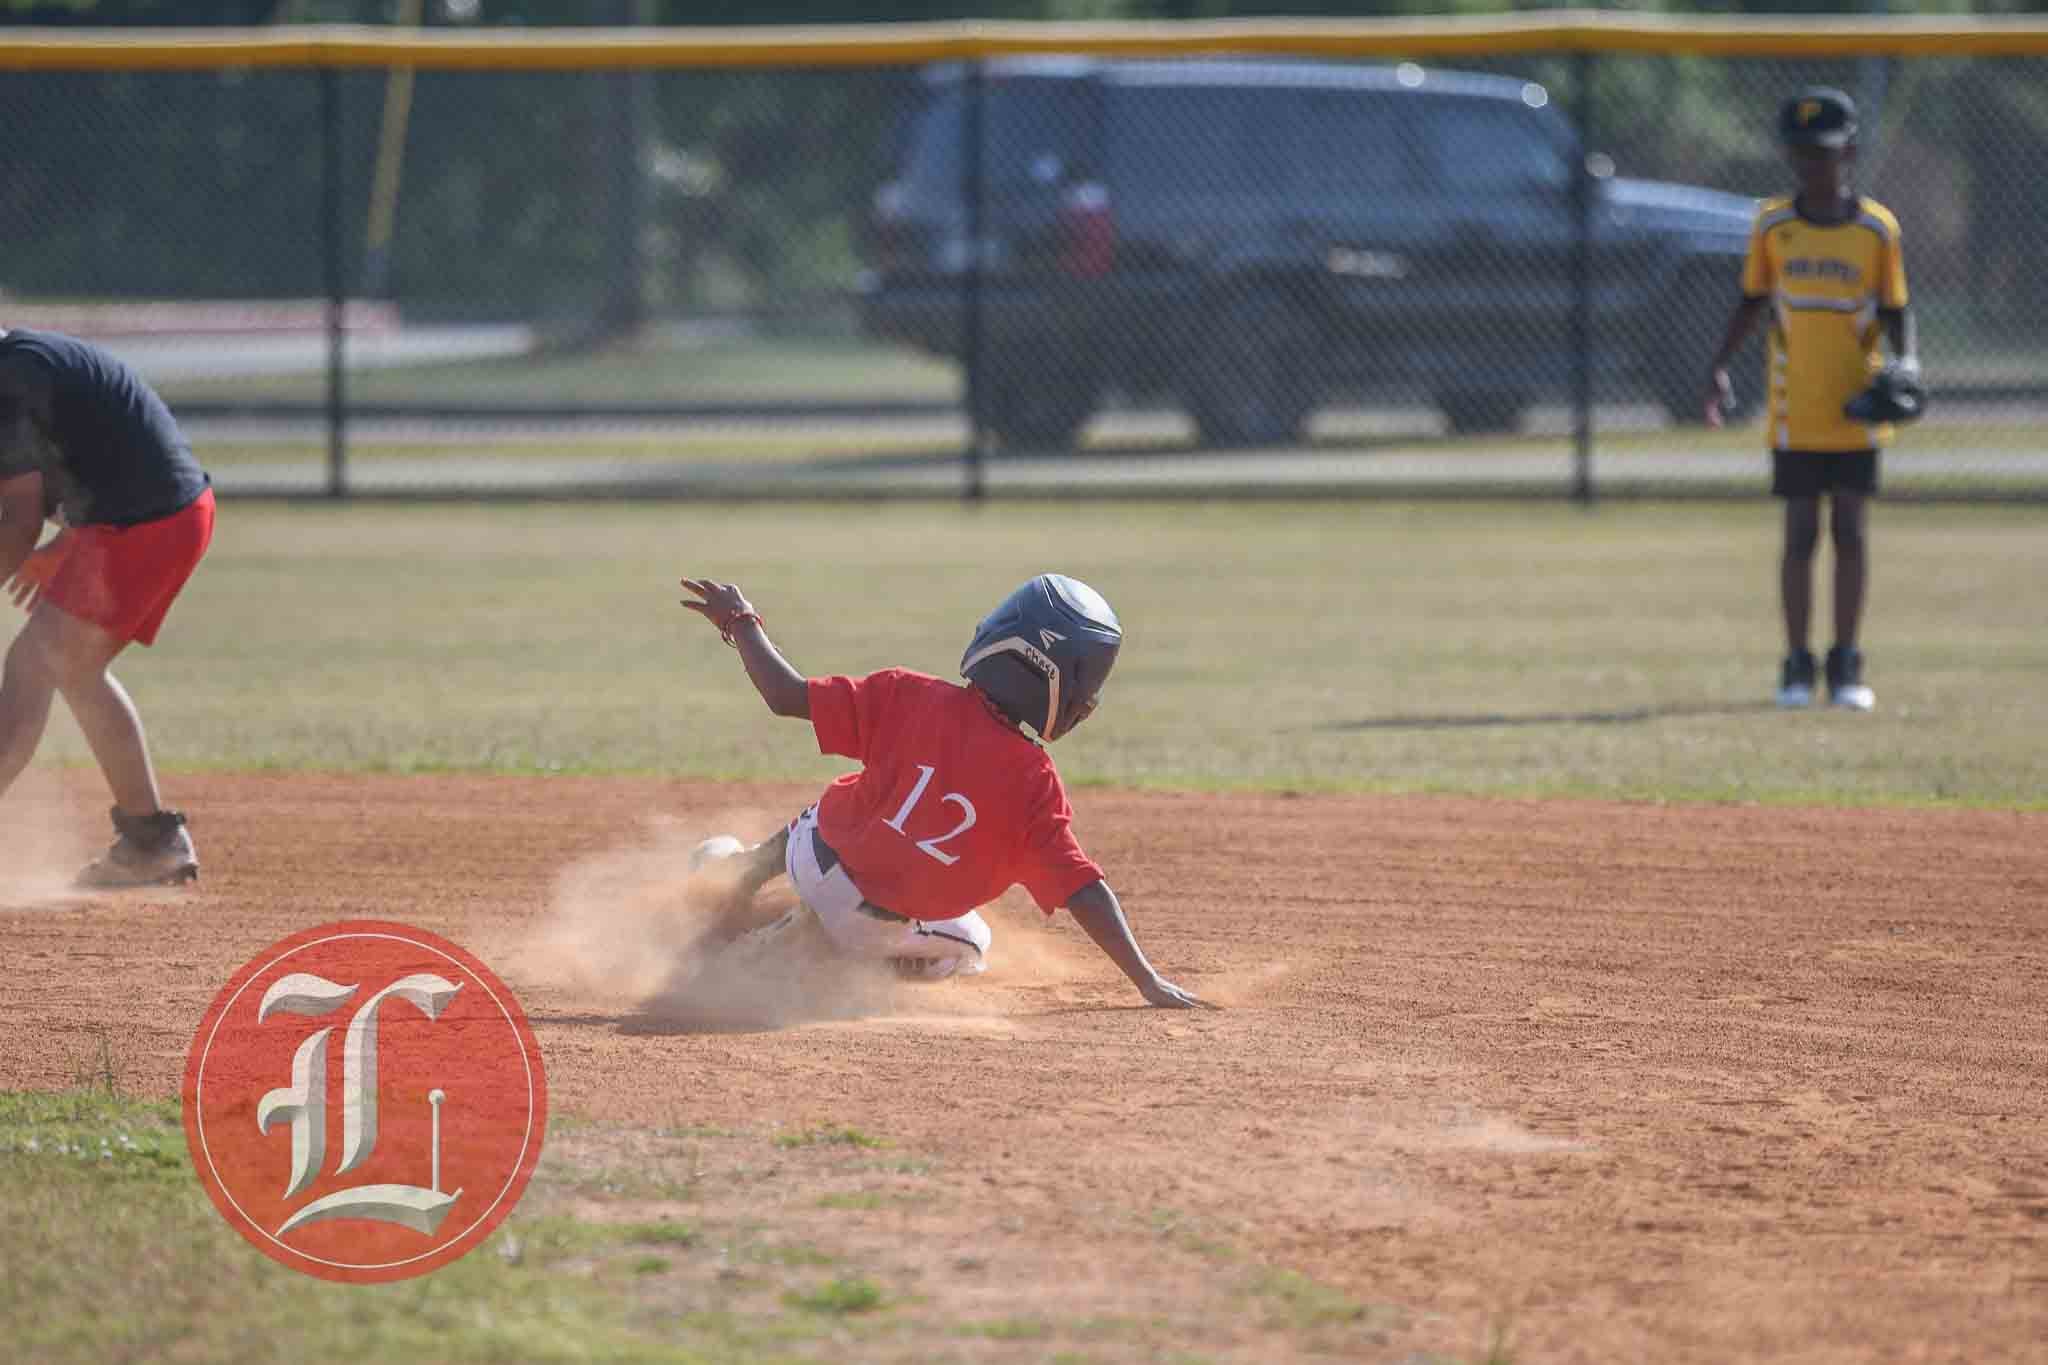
1503	648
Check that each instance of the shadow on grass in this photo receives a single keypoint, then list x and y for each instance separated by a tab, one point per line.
1631	715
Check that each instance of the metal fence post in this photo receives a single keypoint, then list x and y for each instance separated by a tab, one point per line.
337	287
630	113
970	282
1583	192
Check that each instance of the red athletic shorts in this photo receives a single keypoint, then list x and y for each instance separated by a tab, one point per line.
124	578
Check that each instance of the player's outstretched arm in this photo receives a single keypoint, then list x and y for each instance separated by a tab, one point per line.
1095	908
1720	388
786	691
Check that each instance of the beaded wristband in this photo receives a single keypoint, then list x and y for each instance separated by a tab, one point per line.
737	619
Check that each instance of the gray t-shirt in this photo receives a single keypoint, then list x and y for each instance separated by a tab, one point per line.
109	450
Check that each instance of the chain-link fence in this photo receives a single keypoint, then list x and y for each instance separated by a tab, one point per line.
1018	274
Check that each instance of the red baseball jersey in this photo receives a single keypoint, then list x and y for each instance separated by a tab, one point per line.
952	806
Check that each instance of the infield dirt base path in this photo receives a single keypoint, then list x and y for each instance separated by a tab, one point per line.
1641	1082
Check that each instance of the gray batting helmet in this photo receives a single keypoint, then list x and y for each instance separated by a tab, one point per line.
1044	652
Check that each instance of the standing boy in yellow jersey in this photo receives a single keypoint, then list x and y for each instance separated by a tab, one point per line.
1827	265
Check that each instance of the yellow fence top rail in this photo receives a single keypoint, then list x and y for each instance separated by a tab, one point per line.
1563	30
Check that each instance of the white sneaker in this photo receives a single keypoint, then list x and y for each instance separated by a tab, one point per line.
715	849
1846	687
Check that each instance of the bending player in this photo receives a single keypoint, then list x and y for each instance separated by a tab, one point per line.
955	802
86	441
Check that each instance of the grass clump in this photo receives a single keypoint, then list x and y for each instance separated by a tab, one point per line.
837	1298
828	1137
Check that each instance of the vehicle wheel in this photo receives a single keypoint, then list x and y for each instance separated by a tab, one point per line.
1034	408
1482	410
1252	381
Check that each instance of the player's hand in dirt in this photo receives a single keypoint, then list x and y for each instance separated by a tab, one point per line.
32	579
1167	996
721	601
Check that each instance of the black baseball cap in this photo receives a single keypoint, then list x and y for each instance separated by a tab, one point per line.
1818	116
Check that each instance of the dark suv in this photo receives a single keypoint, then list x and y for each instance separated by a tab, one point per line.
1253	239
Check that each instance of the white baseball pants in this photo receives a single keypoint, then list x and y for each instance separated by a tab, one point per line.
926	948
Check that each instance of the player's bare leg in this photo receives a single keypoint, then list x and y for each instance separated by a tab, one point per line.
57	653
1852	573
27	687
1795	571
113	729
764	862
1849	522
750	869
1795	592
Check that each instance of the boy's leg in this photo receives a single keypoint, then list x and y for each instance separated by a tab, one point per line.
71	656
59	653
1795	589
1795	571
1852	575
26	688
113	729
1849	521
749	869
762	864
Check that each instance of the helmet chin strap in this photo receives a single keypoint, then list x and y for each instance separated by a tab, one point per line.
1017	644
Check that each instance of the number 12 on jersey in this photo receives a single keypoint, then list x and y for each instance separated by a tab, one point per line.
931	846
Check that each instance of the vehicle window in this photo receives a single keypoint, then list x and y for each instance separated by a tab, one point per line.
1491	145
1034	131
1341	140
1166	139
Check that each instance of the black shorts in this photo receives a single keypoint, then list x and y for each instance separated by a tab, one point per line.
1811	473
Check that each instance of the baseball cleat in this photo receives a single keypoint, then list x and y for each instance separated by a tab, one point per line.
152	850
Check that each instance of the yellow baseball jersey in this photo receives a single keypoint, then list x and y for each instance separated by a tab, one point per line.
1825	284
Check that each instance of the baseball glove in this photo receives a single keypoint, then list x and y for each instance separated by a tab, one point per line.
1895	395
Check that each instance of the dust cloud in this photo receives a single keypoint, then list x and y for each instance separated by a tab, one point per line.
630	930
43	843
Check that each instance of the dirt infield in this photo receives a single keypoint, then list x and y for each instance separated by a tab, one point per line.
1639	1082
